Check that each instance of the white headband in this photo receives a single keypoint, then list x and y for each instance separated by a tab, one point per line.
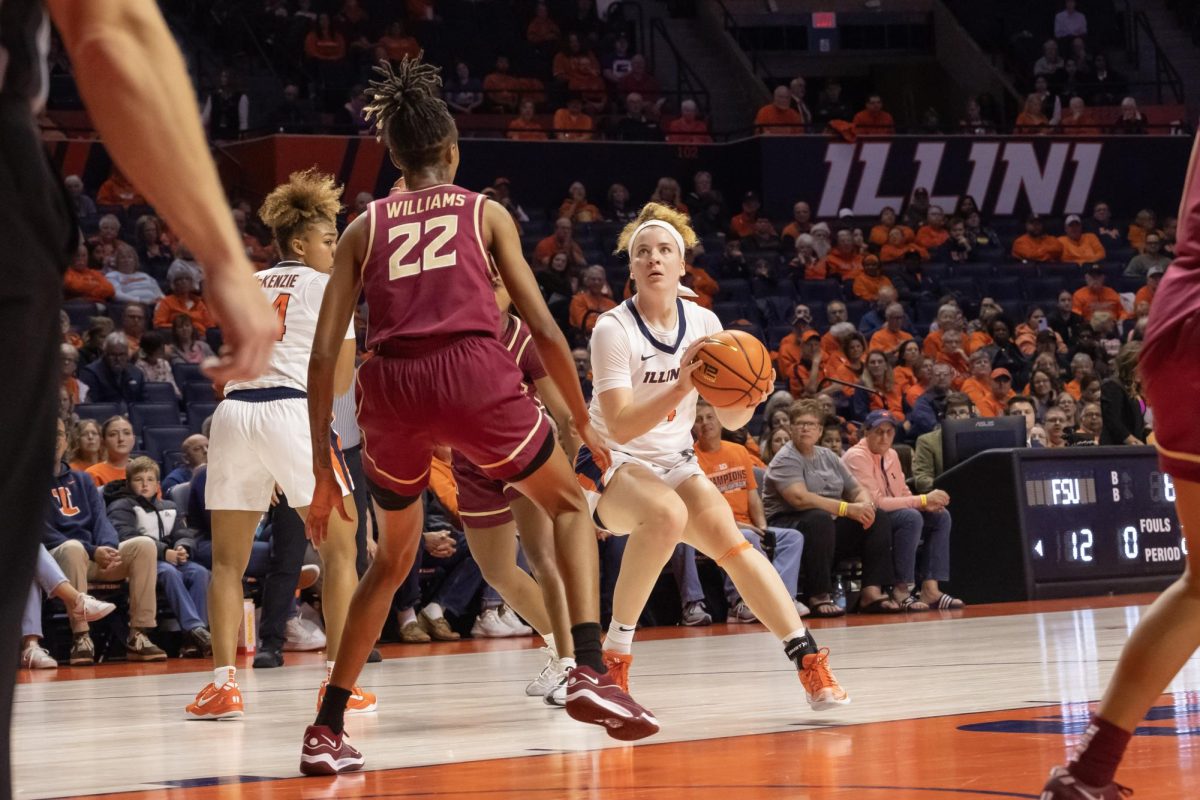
666	226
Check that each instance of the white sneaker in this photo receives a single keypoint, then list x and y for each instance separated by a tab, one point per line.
557	696
488	625
91	609
510	618
300	636
550	676
34	656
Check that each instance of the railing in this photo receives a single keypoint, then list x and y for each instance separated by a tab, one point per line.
1137	28
687	81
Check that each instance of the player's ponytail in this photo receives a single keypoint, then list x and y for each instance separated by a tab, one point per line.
409	115
657	212
307	198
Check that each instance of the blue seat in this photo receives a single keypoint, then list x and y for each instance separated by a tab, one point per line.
171	459
775	335
198	390
186	373
729	310
1002	288
1042	289
142	415
965	288
159	392
199	411
972	270
735	289
157	441
777	310
818	291
99	411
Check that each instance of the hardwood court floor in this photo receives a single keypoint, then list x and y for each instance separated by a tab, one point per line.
974	704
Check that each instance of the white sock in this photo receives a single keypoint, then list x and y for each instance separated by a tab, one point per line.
549	639
407	615
328	670
620	637
433	611
224	675
796	634
566	663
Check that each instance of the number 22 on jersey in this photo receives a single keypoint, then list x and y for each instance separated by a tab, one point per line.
410	234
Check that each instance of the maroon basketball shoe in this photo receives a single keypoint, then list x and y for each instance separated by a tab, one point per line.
1063	786
597	700
327	753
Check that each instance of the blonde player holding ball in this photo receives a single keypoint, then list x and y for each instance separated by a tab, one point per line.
644	404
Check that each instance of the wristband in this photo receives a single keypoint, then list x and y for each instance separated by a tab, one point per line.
924	500
842	508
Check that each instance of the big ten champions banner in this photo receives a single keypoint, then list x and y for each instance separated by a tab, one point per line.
1049	175
1006	175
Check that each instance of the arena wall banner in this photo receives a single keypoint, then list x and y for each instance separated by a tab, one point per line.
1006	175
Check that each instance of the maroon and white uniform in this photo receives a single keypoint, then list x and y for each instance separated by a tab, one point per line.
483	502
439	374
1169	362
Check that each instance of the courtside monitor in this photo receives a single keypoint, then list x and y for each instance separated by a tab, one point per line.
963	438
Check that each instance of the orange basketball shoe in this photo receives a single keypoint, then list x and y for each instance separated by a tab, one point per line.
361	702
224	702
820	687
618	665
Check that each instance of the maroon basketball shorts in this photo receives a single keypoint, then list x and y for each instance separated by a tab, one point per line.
464	393
483	502
1170	367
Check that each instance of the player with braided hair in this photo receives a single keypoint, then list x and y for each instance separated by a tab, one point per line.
259	438
653	489
440	375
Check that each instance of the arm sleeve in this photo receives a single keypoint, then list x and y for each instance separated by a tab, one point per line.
610	356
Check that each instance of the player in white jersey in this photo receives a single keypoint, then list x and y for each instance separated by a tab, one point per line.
644	403
260	439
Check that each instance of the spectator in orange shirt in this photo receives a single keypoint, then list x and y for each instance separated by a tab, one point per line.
561	241
869	280
873	120
979	385
133	325
933	233
1095	296
844	261
668	193
542	29
1032	120
789	352
778	118
594	299
118	191
1146	293
260	255
850	361
1035	244
805	373
742	225
641	81
882	230
82	283
1145	222
1079	247
119	440
578	69
889	338
910	361
688	128
805	265
577	207
801	223
953	352
699	281
897	249
878	375
835	313
571	123
764	238
500	87
398	43
324	42
524	128
182	300
1077	120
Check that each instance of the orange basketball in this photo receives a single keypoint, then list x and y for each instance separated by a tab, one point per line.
735	369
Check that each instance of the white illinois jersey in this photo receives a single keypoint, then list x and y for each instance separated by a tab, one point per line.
295	292
628	353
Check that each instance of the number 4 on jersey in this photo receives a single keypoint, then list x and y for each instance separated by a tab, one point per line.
281	306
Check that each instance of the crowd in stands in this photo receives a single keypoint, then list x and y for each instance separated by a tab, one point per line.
921	313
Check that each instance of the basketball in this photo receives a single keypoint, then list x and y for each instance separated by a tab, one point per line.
736	368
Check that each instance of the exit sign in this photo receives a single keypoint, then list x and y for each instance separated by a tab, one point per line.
824	20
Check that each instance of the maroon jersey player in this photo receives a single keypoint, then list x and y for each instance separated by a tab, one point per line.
441	376
1169	633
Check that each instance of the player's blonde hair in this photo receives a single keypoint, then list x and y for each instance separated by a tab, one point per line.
678	220
308	197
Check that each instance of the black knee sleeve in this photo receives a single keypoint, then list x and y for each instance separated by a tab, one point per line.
389	500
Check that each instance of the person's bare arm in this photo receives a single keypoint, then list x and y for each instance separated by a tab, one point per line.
128	67
505	246
757	515
557	407
337	309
